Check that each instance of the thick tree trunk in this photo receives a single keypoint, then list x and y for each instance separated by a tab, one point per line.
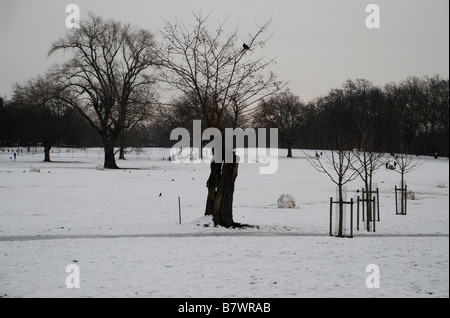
122	152
223	204
110	160
212	185
122	146
47	148
289	146
219	202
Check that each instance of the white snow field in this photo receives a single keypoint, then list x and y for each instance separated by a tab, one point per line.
121	228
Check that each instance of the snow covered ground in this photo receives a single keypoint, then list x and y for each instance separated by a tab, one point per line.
121	228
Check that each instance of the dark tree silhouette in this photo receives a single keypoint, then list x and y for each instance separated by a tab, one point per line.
284	111
43	110
107	76
224	80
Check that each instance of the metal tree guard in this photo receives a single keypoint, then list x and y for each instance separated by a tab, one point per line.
341	231
403	200
373	204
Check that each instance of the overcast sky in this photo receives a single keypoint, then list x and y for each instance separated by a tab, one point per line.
318	44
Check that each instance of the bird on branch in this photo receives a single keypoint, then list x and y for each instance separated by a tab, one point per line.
245	46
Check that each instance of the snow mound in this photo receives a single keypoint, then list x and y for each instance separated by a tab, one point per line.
286	201
35	169
100	167
204	221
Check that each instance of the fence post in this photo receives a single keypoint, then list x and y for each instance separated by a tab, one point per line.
331	216
351	217
406	197
363	206
179	209
373	220
357	213
396	202
378	205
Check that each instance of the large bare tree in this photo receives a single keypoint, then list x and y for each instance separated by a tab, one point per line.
227	79
286	112
107	76
45	113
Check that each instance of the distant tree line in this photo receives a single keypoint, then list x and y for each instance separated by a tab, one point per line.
411	116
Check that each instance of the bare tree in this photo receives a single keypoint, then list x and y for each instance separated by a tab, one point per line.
405	163
107	77
367	161
226	80
284	111
337	165
46	113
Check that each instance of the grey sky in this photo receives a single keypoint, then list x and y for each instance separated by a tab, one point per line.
318	44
